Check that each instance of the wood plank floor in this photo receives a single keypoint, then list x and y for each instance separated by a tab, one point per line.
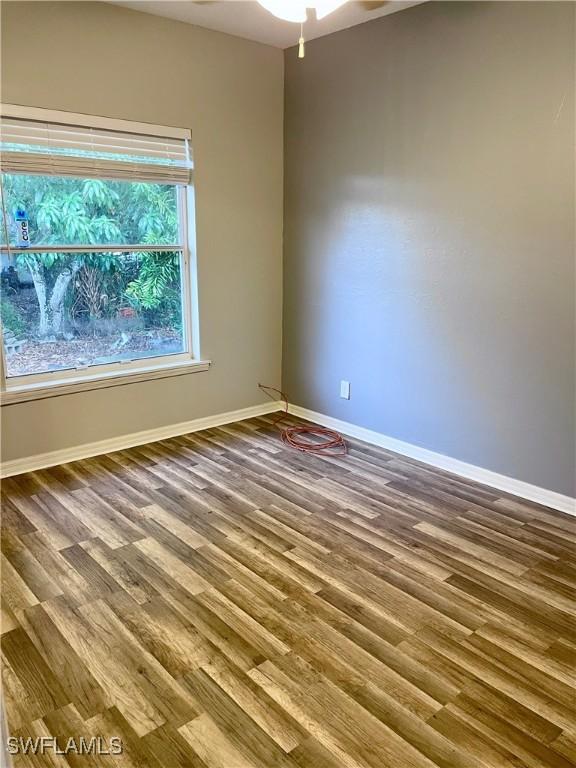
221	601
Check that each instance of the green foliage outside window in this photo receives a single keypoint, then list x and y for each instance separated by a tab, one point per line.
70	211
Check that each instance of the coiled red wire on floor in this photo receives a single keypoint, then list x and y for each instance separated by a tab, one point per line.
324	440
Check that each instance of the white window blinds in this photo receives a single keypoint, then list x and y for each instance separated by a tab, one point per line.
52	148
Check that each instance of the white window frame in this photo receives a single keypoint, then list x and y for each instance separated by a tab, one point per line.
14	389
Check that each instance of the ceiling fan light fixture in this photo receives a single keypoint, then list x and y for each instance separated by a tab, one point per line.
287	10
295	10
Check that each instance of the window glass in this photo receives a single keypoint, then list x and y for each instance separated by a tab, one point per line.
60	210
62	311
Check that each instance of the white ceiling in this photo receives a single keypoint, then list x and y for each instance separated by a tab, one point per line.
248	19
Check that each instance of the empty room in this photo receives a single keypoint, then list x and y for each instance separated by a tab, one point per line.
287	384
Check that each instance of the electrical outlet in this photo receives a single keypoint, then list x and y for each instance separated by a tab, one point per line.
345	390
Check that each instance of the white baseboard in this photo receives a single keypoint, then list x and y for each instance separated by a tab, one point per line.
469	471
51	459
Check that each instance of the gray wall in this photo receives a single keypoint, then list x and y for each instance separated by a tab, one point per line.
429	232
104	60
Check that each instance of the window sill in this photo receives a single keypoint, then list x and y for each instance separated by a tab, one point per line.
57	388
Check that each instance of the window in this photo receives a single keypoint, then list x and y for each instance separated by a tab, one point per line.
96	278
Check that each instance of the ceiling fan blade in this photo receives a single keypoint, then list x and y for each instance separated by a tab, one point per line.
373	5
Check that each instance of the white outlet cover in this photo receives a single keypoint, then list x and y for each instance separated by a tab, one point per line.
345	390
